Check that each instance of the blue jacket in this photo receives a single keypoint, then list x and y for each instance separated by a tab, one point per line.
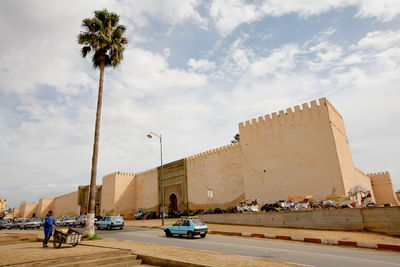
48	225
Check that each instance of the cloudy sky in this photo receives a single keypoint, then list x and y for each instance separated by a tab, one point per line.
192	71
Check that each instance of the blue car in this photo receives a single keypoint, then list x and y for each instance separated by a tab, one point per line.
110	221
190	227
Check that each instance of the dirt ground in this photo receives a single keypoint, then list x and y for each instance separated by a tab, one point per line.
367	237
33	251
191	255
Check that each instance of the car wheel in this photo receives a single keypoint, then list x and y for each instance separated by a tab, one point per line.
202	235
108	227
168	233
190	235
121	228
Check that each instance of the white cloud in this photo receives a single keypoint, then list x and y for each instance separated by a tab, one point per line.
201	65
230	14
146	73
280	61
383	10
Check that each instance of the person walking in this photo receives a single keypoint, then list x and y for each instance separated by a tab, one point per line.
48	227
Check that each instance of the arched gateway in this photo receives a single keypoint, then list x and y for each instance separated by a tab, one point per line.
173	203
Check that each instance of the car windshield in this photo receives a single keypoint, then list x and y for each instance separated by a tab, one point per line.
108	218
178	223
198	222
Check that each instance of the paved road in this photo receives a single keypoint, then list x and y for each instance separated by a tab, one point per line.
287	251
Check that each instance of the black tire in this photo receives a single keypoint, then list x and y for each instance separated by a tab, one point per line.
108	227
74	244
190	235
121	228
168	233
202	235
57	241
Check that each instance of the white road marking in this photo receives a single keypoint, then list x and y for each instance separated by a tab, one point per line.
278	250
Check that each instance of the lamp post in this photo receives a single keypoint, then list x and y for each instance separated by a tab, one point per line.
150	135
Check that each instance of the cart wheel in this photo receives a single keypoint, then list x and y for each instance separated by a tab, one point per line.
57	241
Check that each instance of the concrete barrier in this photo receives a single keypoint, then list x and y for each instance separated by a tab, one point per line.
384	220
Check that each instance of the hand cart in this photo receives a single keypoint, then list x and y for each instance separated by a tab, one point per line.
67	236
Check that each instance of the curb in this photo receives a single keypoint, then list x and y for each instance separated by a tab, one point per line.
303	239
315	240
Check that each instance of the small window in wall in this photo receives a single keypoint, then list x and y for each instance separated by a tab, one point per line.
210	193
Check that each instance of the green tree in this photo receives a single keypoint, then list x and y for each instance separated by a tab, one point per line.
103	36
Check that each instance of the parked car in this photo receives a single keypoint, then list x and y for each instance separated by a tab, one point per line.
151	215
68	221
139	213
32	223
190	226
80	221
20	223
173	214
110	221
6	225
58	221
218	211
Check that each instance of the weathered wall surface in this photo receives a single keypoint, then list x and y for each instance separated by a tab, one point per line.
383	188
45	204
108	193
218	171
16	213
125	194
28	210
351	176
293	151
146	196
66	205
383	220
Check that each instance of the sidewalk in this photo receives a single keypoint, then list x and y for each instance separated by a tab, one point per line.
349	237
22	253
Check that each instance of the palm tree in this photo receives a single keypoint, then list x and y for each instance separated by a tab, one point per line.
104	37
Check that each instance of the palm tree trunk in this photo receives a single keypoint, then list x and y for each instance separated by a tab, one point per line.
92	193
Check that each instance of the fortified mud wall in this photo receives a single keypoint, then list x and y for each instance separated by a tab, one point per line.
28	210
291	153
118	194
146	186
45	204
16	213
66	205
383	188
215	178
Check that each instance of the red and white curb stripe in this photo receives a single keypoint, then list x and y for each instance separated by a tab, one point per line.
303	239
314	240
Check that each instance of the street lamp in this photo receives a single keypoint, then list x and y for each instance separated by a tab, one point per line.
150	135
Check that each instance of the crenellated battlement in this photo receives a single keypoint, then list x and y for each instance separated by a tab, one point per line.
126	173
205	154
147	172
283	117
377	174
